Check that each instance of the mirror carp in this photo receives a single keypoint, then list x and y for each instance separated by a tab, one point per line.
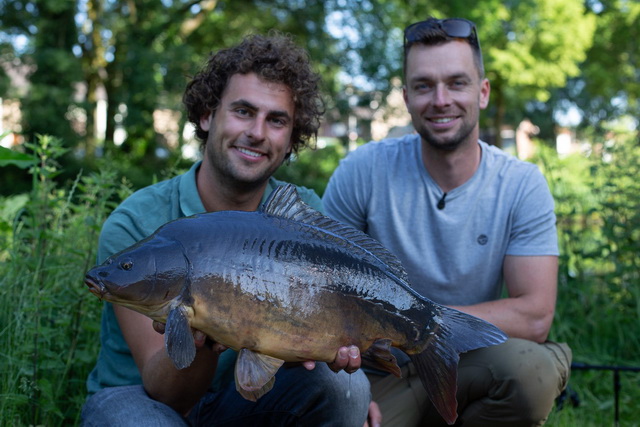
288	284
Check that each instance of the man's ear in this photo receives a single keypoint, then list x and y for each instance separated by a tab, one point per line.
205	122
485	90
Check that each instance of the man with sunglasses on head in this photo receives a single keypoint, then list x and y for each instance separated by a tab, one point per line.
465	219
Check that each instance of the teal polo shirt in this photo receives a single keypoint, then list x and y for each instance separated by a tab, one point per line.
137	217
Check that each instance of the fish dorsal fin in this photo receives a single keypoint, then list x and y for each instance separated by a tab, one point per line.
284	202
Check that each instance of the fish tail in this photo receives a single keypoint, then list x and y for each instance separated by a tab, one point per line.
437	363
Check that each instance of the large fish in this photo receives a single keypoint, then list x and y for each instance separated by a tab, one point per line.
286	283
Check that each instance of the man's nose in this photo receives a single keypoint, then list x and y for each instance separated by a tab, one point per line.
257	129
441	96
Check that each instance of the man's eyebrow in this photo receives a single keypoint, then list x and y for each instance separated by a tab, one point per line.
248	105
243	103
463	75
280	113
429	78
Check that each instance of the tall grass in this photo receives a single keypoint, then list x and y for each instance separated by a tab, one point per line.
598	311
49	322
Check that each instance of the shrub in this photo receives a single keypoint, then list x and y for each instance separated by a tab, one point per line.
50	323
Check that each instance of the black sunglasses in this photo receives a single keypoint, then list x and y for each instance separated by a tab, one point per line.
453	27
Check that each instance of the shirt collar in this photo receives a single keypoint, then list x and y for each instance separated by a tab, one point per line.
190	203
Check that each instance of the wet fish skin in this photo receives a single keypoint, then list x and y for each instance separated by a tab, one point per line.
286	283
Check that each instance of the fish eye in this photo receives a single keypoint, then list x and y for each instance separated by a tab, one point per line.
126	265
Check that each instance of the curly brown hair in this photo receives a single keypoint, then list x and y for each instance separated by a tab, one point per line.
275	58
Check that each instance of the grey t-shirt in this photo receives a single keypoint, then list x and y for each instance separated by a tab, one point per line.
453	255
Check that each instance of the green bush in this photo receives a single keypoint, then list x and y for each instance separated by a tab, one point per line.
49	321
312	168
598	310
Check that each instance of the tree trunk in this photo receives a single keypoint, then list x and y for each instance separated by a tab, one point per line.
499	101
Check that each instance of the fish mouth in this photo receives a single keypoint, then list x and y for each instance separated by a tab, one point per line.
95	287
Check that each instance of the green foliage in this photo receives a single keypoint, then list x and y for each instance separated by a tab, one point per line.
5	82
312	168
615	48
10	157
48	105
537	49
49	322
598	310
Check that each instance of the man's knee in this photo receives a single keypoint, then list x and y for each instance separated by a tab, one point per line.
341	385
533	368
537	380
127	406
346	394
524	378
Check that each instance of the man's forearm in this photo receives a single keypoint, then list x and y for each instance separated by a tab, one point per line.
514	317
179	389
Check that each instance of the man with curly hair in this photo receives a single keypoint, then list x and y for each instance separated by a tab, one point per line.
252	105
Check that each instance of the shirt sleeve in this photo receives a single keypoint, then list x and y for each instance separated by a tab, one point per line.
534	230
311	198
118	233
345	198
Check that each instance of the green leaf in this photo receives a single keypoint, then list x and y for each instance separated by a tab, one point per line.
10	157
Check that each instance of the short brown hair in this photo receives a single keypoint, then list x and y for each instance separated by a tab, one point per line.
275	58
432	32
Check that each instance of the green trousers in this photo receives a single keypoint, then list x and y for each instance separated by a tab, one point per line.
511	384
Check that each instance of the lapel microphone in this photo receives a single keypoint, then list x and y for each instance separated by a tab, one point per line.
441	202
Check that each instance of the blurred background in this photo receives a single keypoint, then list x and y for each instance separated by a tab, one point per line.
107	76
91	110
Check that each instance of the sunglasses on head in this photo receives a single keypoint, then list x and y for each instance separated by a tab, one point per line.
453	27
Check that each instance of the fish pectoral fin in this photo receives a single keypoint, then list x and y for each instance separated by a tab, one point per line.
255	373
178	338
379	356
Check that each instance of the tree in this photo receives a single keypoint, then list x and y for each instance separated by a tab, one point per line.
127	47
609	86
49	104
141	53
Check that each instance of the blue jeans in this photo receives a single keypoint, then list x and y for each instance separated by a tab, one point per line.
319	397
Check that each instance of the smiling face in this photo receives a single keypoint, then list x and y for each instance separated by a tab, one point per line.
444	94
250	132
